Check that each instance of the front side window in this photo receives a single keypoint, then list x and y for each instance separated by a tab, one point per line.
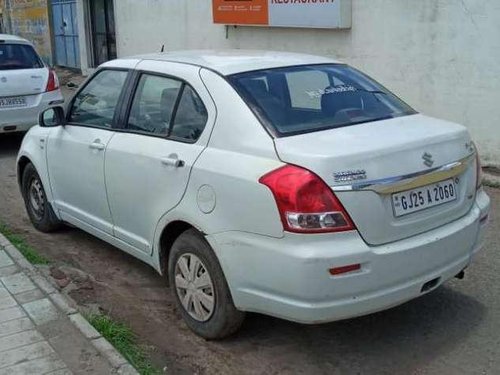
18	56
303	99
167	107
96	103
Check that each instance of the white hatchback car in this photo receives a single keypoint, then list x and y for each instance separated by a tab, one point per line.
27	85
285	184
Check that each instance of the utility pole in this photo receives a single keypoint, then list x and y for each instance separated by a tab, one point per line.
6	17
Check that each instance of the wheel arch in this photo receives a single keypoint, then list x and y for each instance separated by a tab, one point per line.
168	235
31	155
21	166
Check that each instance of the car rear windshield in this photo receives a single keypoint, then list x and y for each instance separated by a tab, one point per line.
304	99
18	56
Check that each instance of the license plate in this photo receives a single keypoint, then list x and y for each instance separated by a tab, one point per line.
419	199
14	102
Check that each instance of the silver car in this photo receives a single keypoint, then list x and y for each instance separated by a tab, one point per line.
279	183
27	85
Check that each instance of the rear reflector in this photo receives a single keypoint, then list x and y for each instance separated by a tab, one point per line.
345	269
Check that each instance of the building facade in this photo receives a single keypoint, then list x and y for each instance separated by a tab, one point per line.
441	56
29	19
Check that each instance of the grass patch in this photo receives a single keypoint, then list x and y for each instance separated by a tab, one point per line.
29	252
125	341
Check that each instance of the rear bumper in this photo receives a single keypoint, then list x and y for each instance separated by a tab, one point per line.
21	119
289	278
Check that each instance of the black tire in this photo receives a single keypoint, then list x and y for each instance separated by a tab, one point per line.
225	319
42	217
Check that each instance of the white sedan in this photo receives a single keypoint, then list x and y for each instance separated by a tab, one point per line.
285	184
27	85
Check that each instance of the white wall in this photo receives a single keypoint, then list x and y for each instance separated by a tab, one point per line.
83	36
441	56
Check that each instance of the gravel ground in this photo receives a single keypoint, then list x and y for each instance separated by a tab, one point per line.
453	330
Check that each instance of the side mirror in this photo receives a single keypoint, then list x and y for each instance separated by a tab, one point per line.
52	117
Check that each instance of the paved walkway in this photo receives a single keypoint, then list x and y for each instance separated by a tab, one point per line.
40	333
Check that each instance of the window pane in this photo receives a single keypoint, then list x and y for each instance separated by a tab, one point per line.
18	56
191	116
96	104
310	98
153	104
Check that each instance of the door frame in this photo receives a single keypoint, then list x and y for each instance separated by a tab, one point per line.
52	35
89	22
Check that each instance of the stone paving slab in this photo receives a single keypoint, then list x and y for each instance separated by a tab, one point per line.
40	330
25	353
29	296
17	283
40	366
19	339
41	311
15	326
11	313
9	270
5	260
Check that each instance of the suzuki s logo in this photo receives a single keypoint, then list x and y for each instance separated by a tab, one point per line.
428	159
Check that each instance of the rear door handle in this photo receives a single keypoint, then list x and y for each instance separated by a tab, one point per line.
97	145
172	161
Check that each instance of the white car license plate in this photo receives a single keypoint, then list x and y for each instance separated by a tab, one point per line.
410	201
13	102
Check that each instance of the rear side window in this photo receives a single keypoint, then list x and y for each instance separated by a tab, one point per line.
153	104
96	104
304	99
167	107
18	56
190	117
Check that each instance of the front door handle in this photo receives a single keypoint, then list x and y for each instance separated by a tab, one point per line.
172	160
97	145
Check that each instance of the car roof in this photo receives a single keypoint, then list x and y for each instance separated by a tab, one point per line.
13	38
227	62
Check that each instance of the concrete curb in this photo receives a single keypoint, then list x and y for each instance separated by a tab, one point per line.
69	308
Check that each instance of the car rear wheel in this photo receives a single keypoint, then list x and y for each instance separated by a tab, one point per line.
39	209
200	288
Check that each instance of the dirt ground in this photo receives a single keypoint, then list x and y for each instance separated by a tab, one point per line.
453	330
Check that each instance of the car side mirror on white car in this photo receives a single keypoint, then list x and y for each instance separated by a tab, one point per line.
52	117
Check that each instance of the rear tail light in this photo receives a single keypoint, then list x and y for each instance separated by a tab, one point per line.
479	173
305	203
53	82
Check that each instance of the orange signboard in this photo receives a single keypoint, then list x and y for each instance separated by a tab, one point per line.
284	13
241	12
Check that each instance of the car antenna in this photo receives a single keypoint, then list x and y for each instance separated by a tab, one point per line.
162	48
